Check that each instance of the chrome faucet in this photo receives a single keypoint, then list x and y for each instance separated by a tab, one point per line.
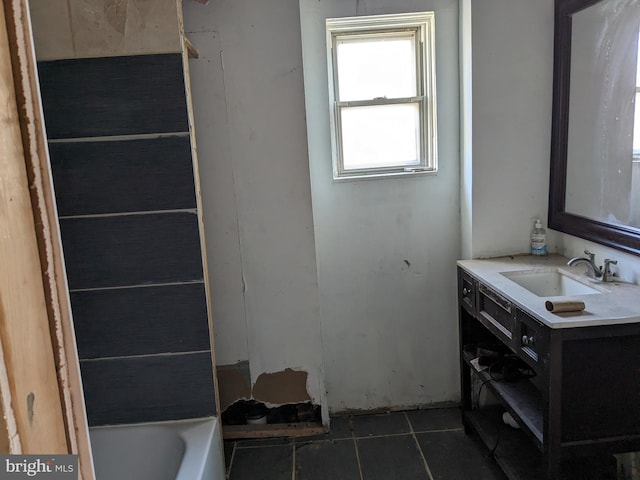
593	270
607	275
603	274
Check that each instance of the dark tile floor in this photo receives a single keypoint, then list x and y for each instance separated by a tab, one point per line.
412	445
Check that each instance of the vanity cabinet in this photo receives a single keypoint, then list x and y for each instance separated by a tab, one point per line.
575	395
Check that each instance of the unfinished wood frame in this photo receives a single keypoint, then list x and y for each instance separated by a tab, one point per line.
44	400
189	51
298	429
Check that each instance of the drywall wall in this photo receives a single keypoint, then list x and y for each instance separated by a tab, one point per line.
378	324
250	128
466	133
220	214
512	64
386	248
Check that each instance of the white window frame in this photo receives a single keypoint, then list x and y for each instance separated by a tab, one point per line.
636	153
423	24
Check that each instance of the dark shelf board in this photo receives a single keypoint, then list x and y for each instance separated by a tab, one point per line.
514	452
521	398
520	460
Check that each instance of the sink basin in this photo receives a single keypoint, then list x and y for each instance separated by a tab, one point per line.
550	283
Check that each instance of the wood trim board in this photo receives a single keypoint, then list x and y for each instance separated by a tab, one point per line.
24	322
298	429
66	431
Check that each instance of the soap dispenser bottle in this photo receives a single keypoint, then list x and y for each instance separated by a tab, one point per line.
538	239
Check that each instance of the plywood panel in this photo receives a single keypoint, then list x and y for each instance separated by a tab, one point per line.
4	435
124	27
24	323
98	26
152	27
9	440
101	28
52	33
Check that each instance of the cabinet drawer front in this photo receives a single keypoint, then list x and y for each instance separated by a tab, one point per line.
467	288
496	312
532	339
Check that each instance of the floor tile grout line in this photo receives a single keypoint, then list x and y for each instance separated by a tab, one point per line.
382	435
441	430
300	441
415	439
233	456
293	459
275	445
355	447
408	420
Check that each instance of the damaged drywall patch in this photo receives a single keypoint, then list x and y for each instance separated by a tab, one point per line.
287	386
277	388
281	397
234	383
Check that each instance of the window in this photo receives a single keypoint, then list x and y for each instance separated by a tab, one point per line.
382	95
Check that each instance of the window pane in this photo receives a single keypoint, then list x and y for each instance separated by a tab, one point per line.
380	136
376	67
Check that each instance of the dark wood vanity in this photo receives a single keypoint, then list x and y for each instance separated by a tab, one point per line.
580	400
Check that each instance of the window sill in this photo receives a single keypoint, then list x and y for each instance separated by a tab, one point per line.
382	175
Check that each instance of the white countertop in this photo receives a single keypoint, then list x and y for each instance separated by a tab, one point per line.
618	303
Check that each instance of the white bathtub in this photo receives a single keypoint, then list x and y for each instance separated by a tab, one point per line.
180	450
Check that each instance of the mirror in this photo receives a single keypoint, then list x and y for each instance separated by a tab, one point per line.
595	138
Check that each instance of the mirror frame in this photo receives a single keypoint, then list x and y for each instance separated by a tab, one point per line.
612	235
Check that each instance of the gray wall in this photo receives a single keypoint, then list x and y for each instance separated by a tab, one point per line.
386	248
387	327
512	71
250	128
